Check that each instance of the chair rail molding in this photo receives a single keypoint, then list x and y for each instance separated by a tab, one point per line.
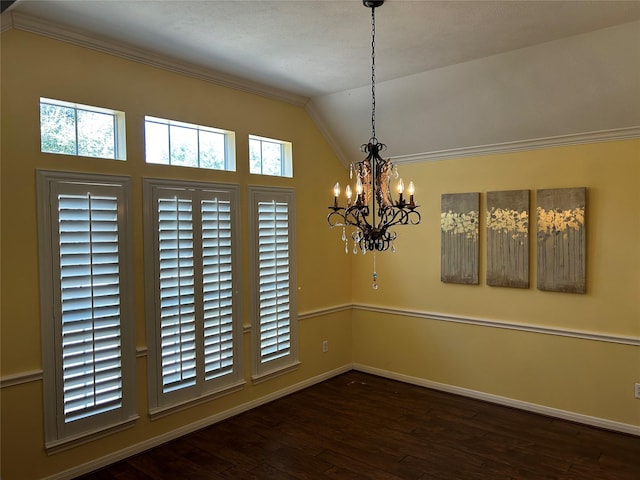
524	327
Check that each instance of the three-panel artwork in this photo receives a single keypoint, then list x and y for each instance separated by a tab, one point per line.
559	235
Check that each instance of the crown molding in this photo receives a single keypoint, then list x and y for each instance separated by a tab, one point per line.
626	133
6	22
83	39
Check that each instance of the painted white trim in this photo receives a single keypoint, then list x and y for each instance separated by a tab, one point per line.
202	423
583	335
626	133
86	40
506	401
142	351
6	21
20	378
324	311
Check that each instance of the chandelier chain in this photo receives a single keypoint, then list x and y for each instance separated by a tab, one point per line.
373	74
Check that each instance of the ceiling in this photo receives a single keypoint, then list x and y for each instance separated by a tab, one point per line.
316	48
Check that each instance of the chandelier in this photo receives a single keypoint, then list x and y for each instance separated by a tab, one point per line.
373	212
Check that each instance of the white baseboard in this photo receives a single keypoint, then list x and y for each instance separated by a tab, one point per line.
509	402
205	422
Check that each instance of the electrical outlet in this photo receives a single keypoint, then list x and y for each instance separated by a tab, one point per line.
325	346
637	390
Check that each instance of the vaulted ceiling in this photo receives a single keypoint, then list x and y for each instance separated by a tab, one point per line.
450	74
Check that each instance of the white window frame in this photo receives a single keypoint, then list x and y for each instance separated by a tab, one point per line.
61	434
164	403
265	369
229	143
119	134
286	156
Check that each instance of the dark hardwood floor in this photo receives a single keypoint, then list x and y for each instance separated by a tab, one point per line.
359	426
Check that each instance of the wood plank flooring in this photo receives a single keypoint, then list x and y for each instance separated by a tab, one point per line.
358	426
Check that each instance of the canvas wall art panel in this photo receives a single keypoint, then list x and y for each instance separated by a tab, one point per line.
507	224
459	216
561	239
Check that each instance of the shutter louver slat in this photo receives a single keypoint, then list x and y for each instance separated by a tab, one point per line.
90	304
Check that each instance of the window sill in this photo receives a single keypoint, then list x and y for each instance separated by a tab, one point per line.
159	412
263	377
57	446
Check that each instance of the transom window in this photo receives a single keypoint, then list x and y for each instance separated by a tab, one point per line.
168	142
270	157
82	130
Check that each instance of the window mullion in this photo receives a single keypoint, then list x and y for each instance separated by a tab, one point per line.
75	124
198	146
169	143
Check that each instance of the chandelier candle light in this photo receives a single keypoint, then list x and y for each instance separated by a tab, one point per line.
373	211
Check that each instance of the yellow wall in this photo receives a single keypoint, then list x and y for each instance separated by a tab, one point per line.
588	377
34	66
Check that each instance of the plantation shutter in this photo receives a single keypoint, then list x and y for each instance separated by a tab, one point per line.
89	276
177	292
273	296
274	285
192	308
88	346
217	287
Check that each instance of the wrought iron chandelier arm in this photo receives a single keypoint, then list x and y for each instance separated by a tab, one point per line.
394	215
355	216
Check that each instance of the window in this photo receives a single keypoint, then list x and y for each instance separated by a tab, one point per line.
270	157
193	312
87	323
74	129
177	143
273	270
